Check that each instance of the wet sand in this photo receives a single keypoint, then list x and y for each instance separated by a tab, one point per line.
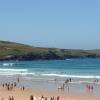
39	88
25	95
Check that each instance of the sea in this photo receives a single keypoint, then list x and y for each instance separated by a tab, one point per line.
69	68
50	74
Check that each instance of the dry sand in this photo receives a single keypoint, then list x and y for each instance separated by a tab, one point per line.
25	95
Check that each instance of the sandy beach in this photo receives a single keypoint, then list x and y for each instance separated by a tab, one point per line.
25	95
37	89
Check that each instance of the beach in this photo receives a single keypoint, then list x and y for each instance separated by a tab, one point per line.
74	79
47	89
49	49
25	95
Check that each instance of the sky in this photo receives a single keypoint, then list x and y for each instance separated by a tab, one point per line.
51	23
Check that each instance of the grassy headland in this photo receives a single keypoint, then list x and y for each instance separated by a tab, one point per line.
16	51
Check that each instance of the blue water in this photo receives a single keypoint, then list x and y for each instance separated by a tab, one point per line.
78	68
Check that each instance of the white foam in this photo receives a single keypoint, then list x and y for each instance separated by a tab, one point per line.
27	74
69	59
17	70
13	71
8	64
72	76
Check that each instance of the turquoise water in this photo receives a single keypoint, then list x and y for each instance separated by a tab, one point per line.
76	68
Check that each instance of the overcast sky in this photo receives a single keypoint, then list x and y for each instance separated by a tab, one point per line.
51	23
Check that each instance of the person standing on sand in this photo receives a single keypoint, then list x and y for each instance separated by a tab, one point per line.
9	98
31	97
3	85
15	84
58	98
12	98
18	79
42	98
92	88
53	97
70	80
8	87
23	88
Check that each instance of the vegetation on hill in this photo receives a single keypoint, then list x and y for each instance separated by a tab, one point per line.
16	51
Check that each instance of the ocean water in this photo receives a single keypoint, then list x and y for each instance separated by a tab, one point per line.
74	68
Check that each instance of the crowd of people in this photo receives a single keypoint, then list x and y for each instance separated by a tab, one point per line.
9	86
34	98
45	98
89	88
12	85
11	98
65	85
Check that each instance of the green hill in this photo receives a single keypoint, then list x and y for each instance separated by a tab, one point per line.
16	51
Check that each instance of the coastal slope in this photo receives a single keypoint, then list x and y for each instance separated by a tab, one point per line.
17	51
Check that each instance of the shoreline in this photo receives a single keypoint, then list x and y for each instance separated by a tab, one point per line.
76	91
